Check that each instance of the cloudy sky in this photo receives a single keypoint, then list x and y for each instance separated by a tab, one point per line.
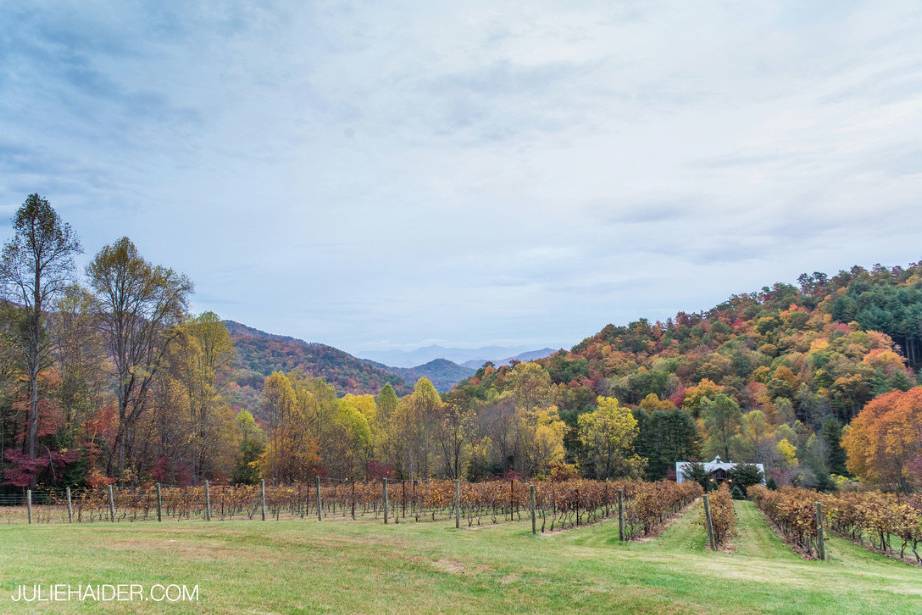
380	177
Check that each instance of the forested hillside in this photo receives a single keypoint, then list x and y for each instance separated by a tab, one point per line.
260	353
771	376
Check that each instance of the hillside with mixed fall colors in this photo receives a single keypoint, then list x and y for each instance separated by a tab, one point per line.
799	362
258	354
113	379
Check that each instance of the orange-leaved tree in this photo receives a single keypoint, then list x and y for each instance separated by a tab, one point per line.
884	442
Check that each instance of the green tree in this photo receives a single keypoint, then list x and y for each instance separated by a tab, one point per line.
695	471
744	476
252	444
665	437
722	419
831	433
386	400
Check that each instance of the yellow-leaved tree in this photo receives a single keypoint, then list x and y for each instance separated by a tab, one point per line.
606	436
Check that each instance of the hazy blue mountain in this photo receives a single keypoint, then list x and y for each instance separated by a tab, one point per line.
529	355
443	373
462	356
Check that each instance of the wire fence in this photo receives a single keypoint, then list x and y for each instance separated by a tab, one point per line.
641	507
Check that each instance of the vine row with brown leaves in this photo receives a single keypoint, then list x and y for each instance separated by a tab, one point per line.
870	518
558	505
723	517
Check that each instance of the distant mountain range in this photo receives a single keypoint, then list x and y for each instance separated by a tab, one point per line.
443	373
260	353
529	355
468	357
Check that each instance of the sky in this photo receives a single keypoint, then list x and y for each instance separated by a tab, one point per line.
382	176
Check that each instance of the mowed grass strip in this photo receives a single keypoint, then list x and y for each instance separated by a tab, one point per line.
363	567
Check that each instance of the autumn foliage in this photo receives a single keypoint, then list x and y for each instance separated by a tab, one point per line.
793	512
723	517
886	521
884	442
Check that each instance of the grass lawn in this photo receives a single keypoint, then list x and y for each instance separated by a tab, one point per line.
364	567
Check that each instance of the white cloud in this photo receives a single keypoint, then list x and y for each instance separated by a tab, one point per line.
365	175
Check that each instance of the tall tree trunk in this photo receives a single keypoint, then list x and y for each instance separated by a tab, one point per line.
35	326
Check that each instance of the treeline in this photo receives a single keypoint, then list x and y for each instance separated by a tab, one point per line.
310	431
773	377
108	376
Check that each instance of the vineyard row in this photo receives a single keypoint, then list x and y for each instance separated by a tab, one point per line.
886	522
641	506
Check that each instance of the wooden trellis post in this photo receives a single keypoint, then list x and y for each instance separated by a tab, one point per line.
29	505
710	525
207	502
319	502
621	515
458	503
820	532
384	487
532	505
159	504
70	506
262	498
111	504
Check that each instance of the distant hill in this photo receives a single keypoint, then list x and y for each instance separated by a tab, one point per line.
443	373
468	357
530	355
260	353
420	356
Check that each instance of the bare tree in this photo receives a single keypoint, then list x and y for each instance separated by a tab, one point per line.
36	266
455	432
140	305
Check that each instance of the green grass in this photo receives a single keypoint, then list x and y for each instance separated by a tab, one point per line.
343	566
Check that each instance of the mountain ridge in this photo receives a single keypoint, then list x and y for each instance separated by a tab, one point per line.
461	356
260	353
529	355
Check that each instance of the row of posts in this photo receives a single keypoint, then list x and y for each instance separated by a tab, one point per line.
262	502
532	505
